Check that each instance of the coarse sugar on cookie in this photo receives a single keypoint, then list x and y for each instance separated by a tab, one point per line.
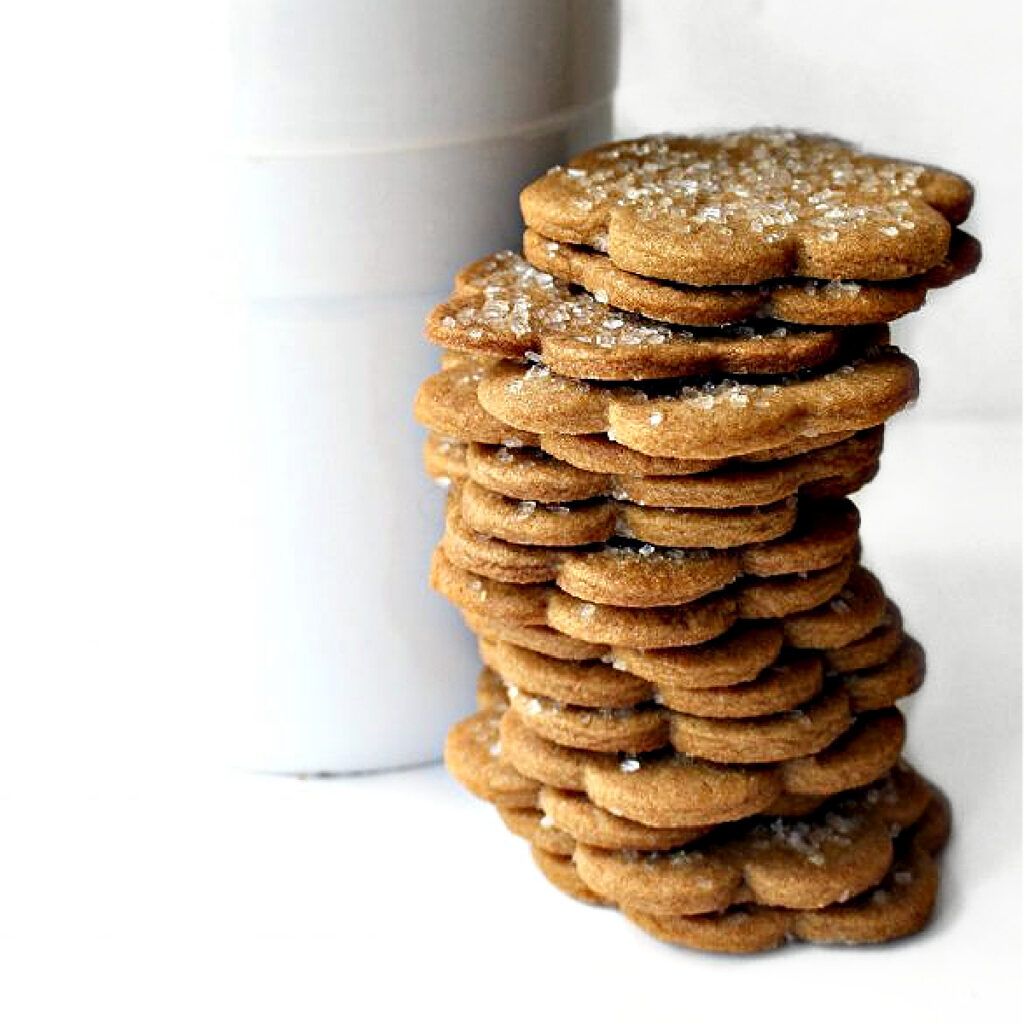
504	307
636	573
666	789
750	206
531	474
790	300
716	418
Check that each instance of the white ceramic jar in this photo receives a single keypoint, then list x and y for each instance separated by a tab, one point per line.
377	147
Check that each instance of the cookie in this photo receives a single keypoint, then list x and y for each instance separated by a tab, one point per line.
447	404
473	748
542	832
899	906
720	419
562	874
632	573
644	729
829	857
670	790
879	685
471	755
788	711
793	301
747	207
503	307
527	823
474	751
599	454
855	630
446	458
738	678
671	676
562	819
538	604
491	692
589	522
578	820
873	648
530	474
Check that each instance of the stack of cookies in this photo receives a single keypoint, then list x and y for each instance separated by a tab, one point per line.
651	422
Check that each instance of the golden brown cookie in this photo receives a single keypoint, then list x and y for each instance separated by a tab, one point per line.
804	863
564	815
447	404
722	738
785	711
899	906
575	816
529	824
445	458
665	790
875	646
472	755
791	300
599	454
562	874
491	692
881	684
681	678
530	474
747	207
589	522
538	604
853	760
475	751
503	307
638	574
719	419
855	629
765	740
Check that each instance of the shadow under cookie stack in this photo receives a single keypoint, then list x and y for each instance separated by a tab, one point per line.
651	423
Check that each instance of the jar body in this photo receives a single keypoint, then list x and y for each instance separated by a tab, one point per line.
377	147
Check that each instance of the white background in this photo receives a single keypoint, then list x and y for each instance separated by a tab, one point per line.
137	882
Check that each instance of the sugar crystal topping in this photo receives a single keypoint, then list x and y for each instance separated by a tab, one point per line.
670	859
762	182
884	792
728	394
648	553
807	838
506	295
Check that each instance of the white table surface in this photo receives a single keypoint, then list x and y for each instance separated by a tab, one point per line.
179	894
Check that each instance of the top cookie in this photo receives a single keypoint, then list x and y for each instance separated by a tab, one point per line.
747	207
